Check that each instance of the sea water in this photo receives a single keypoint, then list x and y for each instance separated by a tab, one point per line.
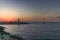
35	30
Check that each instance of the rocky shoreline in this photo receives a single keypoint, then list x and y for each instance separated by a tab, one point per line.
7	36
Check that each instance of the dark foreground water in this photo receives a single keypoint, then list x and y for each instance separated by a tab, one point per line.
35	31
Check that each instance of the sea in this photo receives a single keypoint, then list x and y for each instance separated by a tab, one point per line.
35	31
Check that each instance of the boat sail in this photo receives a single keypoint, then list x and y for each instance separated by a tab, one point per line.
43	22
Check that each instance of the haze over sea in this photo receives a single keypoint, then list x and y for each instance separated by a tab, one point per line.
35	30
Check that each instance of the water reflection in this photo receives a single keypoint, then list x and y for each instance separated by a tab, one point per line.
35	31
13	29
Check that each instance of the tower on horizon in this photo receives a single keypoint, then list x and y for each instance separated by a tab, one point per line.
18	21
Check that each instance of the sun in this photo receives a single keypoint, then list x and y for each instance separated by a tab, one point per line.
8	14
8	19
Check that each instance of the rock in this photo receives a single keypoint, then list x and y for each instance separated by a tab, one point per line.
7	36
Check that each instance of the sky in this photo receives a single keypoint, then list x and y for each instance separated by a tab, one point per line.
30	10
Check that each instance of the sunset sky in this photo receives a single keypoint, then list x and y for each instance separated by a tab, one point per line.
29	10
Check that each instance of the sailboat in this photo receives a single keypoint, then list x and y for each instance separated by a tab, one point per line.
43	22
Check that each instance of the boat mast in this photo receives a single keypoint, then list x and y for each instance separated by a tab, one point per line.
43	22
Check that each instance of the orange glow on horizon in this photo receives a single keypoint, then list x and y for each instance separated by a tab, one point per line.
28	19
8	19
39	18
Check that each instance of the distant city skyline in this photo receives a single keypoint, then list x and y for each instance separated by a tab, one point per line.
29	10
